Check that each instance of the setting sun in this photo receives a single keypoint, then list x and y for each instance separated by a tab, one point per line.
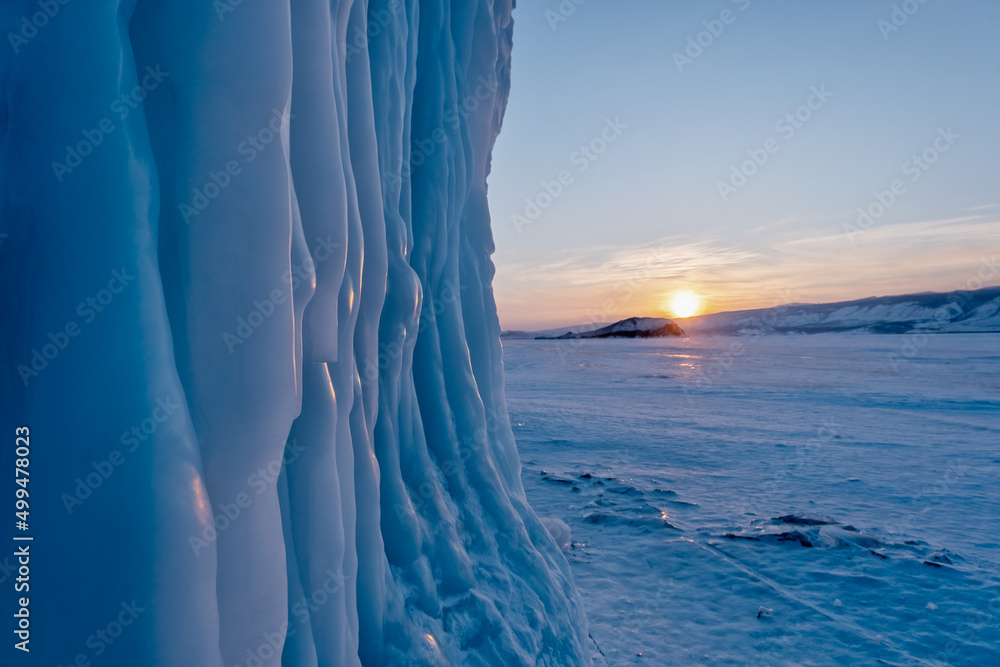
684	303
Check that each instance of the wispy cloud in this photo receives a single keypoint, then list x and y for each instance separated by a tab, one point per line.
803	261
665	259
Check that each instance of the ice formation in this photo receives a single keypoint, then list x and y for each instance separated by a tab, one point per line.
248	319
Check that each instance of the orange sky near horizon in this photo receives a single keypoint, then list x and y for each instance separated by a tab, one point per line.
599	285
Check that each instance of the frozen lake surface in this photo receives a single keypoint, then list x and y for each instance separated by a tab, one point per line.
772	500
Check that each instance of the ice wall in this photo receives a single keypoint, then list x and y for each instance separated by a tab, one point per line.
248	319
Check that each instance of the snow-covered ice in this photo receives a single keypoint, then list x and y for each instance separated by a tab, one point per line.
248	318
772	500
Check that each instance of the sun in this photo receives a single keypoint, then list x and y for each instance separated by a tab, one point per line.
684	303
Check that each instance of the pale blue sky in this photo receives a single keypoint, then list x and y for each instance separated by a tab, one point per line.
646	215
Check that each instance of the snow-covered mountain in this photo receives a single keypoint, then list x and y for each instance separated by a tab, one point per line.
976	311
633	327
944	312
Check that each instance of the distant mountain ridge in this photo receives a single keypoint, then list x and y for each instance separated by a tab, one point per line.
974	311
633	327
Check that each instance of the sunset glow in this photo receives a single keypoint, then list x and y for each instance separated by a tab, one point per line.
684	303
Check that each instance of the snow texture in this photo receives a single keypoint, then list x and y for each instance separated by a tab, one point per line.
248	318
774	500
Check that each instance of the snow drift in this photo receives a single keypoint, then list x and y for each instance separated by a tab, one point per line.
248	319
